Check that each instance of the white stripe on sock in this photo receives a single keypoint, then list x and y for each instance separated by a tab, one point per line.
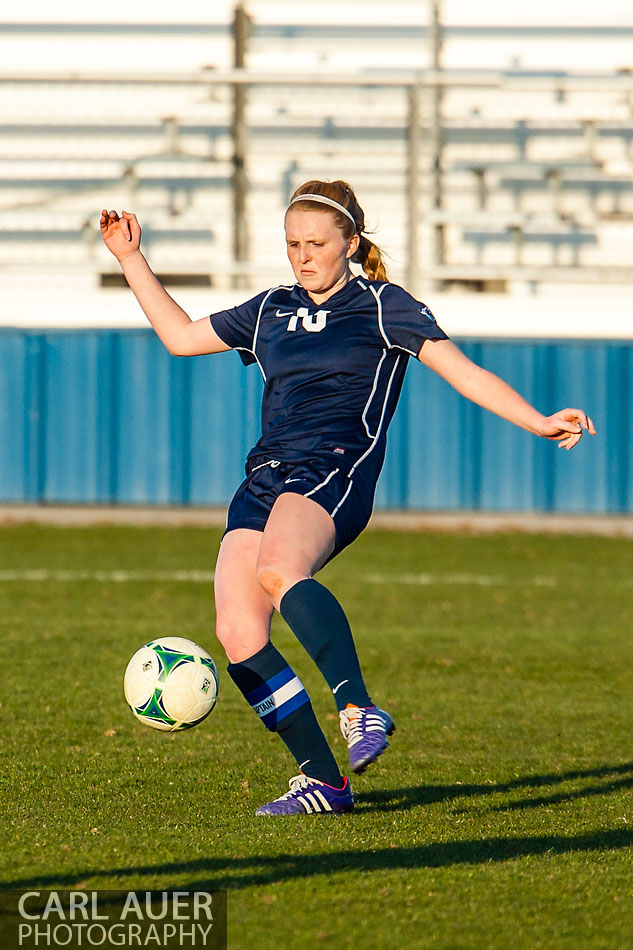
279	697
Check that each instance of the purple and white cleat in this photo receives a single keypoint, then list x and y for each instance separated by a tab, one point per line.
365	729
308	796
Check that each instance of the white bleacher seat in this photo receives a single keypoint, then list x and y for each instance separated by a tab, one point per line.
68	147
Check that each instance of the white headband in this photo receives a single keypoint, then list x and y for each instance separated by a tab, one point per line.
326	201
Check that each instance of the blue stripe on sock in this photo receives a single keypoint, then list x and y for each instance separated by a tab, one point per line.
279	679
276	716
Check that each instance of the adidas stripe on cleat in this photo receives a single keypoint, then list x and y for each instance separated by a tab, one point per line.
308	796
365	729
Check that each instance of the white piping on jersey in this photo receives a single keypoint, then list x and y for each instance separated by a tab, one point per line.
324	482
396	346
256	331
261	308
382	418
392	346
377	294
371	395
245	349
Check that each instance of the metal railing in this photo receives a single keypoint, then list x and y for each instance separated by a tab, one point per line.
426	174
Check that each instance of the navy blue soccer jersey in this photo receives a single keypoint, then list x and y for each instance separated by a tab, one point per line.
332	373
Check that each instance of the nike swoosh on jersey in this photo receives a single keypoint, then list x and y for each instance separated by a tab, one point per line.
290	313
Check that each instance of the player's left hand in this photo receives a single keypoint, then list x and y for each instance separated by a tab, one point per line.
566	427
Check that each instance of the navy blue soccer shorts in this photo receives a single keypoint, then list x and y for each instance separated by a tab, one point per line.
345	499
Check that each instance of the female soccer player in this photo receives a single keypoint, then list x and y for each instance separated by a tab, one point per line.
332	349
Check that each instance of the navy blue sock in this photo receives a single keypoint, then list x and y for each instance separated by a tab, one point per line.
278	697
319	623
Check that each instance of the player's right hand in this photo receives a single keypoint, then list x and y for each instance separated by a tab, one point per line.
121	234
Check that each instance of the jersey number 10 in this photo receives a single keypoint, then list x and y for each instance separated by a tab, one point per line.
313	323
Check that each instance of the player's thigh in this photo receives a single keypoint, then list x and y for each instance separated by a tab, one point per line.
243	608
298	539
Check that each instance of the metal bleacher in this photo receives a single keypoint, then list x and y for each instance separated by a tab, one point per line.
536	170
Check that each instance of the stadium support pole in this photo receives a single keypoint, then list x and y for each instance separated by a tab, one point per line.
241	23
413	184
436	138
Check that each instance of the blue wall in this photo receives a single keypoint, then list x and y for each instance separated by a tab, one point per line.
109	417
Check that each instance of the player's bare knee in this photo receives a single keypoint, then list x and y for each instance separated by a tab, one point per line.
240	637
229	630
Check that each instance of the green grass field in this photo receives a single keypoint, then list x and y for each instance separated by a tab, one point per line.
502	816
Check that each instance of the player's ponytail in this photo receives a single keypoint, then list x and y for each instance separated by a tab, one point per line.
368	255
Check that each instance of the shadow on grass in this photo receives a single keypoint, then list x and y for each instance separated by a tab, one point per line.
237	872
403	799
223	872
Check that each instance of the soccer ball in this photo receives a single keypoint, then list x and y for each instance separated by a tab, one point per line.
171	684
